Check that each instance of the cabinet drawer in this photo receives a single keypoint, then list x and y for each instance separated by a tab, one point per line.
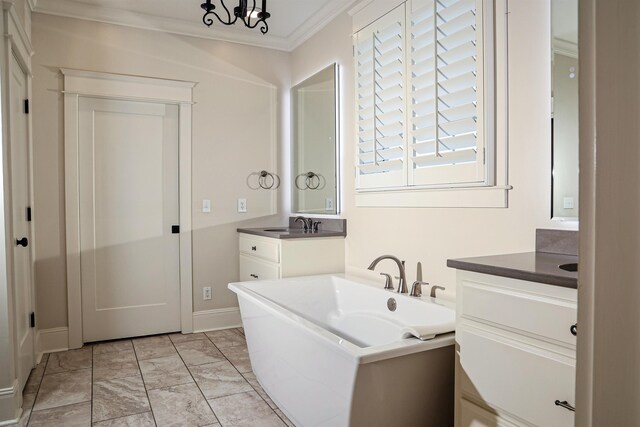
540	315
516	379
252	268
263	248
475	416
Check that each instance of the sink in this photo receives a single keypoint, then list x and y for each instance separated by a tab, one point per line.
572	266
276	230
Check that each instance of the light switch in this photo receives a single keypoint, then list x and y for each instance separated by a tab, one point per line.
568	202
206	206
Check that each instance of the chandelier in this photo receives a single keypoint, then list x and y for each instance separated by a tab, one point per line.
251	16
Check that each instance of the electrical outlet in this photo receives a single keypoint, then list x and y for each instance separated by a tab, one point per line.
206	206
242	205
206	293
328	204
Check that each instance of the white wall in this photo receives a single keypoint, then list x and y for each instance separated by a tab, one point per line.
231	138
432	235
608	372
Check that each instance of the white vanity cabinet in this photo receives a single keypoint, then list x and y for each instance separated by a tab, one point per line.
270	258
515	352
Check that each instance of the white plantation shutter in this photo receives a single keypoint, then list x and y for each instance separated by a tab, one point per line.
380	61
446	141
421	102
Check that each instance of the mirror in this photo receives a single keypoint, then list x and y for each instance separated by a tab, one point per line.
314	155
564	112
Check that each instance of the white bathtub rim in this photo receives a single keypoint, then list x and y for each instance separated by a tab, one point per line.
362	355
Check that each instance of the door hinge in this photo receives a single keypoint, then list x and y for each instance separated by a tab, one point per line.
32	320
29	214
26	106
175	229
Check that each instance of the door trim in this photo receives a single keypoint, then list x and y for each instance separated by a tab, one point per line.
117	86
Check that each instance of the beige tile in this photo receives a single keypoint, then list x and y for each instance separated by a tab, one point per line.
199	352
120	364
176	338
239	356
118	398
244	410
44	359
164	372
112	347
153	347
65	388
70	360
139	420
181	405
226	338
251	378
284	418
241	330
35	377
76	415
219	379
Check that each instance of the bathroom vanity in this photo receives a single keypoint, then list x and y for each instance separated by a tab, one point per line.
279	252
516	340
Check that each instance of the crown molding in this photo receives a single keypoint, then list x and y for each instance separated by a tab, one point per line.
320	19
91	12
566	48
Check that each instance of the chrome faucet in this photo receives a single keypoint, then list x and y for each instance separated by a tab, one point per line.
402	284
306	222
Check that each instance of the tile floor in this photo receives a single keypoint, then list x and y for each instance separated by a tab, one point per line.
166	380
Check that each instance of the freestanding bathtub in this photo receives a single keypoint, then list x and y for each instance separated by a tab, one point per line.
329	352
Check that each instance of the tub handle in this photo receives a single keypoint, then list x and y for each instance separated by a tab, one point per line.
255	276
388	282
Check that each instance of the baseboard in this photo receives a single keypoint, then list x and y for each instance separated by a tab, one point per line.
211	320
10	404
50	340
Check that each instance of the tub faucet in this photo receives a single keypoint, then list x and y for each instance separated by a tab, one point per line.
402	284
306	222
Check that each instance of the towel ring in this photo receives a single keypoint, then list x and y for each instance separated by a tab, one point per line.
265	180
312	181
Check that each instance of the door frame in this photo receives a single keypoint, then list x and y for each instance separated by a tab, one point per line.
16	42
79	83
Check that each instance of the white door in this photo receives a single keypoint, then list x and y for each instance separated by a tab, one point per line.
21	231
128	188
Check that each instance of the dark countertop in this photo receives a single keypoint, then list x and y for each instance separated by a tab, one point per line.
290	233
538	267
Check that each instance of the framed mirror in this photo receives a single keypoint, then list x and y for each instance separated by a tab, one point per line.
564	113
315	153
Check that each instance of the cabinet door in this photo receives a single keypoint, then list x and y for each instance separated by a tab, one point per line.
252	268
521	380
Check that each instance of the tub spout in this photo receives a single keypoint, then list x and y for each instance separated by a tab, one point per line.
402	284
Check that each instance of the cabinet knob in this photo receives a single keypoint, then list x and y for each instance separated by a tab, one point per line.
254	248
565	405
255	276
574	329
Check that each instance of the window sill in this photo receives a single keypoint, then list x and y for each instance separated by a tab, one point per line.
478	197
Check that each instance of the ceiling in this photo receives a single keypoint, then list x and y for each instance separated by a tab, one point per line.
291	23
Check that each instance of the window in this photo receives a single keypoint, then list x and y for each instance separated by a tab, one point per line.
425	105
